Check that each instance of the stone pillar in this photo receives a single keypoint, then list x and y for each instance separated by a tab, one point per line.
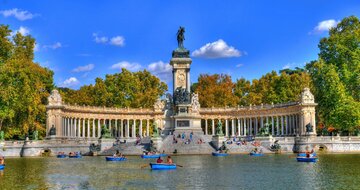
287	124
147	127
88	128
253	128
277	126
245	127
262	122
232	127
78	128
206	127
99	128
134	129
213	127
239	127
226	128
256	126
282	125
110	128
140	128
272	126
83	128
127	128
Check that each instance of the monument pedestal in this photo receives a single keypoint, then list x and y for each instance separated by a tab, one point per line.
218	141
106	144
156	142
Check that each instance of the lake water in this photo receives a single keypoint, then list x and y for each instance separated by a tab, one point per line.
332	171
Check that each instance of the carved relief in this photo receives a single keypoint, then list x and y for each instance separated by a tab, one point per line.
55	98
195	105
159	105
307	96
181	78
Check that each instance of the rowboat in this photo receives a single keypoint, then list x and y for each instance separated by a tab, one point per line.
306	159
256	154
76	156
2	166
61	156
162	166
219	154
152	156
116	159
304	154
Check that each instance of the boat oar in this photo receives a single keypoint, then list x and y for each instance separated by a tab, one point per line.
144	166
179	165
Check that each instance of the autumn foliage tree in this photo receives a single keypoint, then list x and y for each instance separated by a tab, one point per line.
24	86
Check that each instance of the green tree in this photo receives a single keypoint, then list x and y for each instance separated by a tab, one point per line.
216	90
24	86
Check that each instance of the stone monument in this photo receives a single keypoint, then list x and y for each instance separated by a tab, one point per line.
186	117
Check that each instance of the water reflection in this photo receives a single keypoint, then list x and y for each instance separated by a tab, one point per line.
199	172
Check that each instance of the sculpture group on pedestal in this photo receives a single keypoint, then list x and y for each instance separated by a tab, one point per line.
181	96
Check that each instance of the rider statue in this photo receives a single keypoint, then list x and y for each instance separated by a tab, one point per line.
181	37
219	131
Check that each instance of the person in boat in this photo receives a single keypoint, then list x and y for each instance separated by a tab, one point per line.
71	154
2	160
169	160
159	160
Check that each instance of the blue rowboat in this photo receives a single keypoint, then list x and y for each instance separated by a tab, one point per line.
304	154
76	156
2	167
163	155
162	166
256	154
115	159
305	159
61	156
152	156
219	154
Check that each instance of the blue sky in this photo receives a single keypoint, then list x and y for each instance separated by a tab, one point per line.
81	40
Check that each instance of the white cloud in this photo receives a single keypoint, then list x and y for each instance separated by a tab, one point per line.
127	65
72	81
53	46
217	49
324	26
18	14
293	65
23	30
161	70
239	65
100	40
88	67
117	41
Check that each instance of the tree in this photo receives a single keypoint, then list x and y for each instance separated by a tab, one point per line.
24	85
124	89
216	90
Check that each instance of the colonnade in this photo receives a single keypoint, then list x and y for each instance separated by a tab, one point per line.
91	127
277	125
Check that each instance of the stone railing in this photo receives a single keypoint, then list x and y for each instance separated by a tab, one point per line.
251	107
93	109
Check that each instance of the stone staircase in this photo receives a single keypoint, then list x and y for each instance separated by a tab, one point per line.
182	148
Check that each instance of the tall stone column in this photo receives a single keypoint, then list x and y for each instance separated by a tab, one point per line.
256	126
78	127
99	129
116	129
262	122
226	128
93	128
272	126
127	128
239	131
83	128
287	124
140	128
147	128
277	126
213	127
122	128
133	135
206	126
251	131
88	128
233	127
245	134
282	125
110	128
